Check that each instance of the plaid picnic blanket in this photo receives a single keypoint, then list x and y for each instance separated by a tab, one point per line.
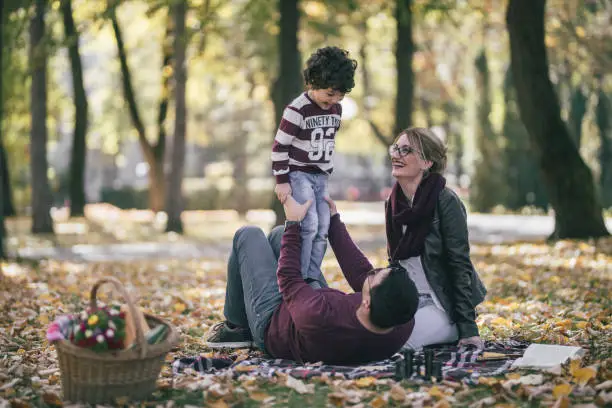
456	364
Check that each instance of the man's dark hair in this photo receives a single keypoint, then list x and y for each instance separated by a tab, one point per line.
330	67
394	300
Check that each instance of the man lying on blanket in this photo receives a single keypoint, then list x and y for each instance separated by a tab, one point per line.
268	303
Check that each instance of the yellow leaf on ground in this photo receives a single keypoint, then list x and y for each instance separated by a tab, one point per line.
72	289
561	390
46	297
259	396
574	365
43	319
442	404
567	323
436	392
513	376
500	321
583	375
245	368
365	382
179	307
581	325
378	402
397	393
562	402
487	381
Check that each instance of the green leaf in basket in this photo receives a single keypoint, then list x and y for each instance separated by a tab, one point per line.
156	335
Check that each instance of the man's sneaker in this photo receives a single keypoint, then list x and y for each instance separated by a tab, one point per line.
223	336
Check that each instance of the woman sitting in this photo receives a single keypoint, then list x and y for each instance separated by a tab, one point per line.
427	234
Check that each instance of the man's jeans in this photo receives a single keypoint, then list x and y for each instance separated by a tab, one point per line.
315	225
252	294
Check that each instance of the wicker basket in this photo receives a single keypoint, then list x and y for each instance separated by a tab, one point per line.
95	377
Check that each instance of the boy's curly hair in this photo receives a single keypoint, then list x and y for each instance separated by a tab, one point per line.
330	67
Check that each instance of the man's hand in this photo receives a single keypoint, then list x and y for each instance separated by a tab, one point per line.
475	341
282	191
295	211
332	207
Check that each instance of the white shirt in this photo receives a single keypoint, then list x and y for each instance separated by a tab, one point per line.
414	266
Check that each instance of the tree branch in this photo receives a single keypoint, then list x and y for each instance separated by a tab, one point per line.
164	98
378	133
128	90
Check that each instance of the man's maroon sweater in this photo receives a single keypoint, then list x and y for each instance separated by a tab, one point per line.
321	325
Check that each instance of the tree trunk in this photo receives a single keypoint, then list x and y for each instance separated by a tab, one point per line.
289	82
404	97
602	117
366	83
521	171
577	111
487	189
8	208
79	144
404	51
41	193
3	174
174	206
570	186
157	177
153	154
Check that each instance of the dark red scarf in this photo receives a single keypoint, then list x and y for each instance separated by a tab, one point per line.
417	218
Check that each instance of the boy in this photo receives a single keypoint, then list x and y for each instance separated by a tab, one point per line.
303	149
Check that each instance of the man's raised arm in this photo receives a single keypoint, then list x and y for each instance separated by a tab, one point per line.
354	264
306	305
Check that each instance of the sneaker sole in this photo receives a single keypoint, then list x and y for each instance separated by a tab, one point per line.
235	344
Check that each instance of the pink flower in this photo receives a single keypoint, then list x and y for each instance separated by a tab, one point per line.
54	333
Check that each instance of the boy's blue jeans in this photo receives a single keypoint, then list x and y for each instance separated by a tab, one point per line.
315	225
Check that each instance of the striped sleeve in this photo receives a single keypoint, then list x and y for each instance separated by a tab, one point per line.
287	130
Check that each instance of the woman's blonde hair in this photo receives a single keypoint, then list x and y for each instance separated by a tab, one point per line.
429	145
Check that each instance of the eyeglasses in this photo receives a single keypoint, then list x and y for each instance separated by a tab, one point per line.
401	151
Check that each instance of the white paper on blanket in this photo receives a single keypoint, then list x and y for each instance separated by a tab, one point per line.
547	356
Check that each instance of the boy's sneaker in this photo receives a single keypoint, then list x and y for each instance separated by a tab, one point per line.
221	335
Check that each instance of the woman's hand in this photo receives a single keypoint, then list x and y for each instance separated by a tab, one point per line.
475	341
332	207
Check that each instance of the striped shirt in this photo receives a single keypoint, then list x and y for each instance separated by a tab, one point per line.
305	138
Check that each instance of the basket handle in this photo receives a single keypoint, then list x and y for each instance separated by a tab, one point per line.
140	339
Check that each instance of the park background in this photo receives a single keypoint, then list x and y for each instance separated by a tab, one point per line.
136	136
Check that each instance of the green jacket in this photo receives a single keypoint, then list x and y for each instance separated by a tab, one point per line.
447	265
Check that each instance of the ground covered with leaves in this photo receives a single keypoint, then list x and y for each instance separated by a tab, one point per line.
546	293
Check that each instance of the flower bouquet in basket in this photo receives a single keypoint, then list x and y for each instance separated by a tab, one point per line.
100	330
105	328
107	352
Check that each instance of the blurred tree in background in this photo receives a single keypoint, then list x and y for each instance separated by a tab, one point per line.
41	193
565	173
79	144
114	95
